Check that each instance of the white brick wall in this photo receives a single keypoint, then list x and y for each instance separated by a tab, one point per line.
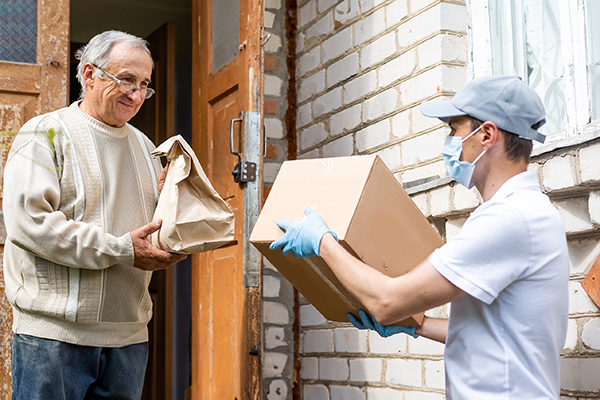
366	370
588	163
359	87
557	173
275	337
315	392
345	120
590	335
342	69
373	136
580	374
278	390
273	364
336	45
310	316
347	393
363	68
334	369
379	105
350	340
318	341
309	368
404	372
327	102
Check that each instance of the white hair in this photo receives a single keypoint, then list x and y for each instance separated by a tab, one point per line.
97	51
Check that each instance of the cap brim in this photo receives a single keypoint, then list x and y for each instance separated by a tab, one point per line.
440	109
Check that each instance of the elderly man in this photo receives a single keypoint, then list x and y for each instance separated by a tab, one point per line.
506	272
79	197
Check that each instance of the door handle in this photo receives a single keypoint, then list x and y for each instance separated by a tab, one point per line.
244	171
233	121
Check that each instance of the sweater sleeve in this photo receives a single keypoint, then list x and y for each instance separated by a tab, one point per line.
31	209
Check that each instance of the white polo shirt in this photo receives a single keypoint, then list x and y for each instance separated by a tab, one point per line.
505	336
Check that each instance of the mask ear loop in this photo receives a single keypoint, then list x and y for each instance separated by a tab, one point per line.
472	133
479	156
468	136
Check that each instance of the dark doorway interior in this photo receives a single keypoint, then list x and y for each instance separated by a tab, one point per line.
141	18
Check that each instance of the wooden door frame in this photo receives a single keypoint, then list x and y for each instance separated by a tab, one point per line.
251	55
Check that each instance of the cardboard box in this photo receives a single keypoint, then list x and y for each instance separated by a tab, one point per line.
362	202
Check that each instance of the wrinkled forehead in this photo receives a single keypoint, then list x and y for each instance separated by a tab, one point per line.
125	59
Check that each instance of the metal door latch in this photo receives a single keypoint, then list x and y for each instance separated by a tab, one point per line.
244	171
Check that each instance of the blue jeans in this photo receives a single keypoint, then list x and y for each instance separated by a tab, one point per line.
45	369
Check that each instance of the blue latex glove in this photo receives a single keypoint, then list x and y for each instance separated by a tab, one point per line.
369	322
304	237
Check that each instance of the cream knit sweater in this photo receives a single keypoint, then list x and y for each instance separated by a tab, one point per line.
74	189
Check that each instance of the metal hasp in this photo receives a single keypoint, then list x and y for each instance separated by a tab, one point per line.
244	171
252	151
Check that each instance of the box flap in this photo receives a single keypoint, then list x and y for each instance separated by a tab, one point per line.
388	232
332	186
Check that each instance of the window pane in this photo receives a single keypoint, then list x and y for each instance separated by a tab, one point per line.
592	10
225	33
18	30
526	42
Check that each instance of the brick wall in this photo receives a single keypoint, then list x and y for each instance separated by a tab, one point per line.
363	68
278	294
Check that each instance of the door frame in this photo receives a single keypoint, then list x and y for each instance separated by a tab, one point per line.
250	58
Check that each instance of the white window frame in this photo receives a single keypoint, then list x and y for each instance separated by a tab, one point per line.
579	129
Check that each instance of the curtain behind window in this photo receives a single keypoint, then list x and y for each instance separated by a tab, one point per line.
592	11
526	42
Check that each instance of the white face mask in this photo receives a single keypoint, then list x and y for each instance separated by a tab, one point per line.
460	171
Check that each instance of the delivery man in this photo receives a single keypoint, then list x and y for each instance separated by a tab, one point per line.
506	272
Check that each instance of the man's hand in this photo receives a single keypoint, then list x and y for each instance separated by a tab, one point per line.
147	257
160	182
369	322
304	237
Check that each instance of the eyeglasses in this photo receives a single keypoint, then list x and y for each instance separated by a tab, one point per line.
128	88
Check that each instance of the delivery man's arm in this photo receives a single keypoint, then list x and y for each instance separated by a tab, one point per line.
389	300
434	329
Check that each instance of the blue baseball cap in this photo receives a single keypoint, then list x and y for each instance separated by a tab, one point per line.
503	99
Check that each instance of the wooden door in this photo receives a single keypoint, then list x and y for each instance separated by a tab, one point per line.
33	80
225	314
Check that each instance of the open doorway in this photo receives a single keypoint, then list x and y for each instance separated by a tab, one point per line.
169	366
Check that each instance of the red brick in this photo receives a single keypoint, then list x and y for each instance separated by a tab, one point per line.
270	63
270	106
271	151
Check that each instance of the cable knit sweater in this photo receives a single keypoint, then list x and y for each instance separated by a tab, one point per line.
74	189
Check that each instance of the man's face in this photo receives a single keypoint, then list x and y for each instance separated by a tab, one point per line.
461	127
106	102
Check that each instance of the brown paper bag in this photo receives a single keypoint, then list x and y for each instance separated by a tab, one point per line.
195	218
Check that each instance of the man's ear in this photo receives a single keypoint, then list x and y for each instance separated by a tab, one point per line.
88	74
490	135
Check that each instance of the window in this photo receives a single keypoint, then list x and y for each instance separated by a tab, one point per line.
18	30
554	46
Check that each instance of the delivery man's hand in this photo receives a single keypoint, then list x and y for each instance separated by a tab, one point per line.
369	322
304	237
